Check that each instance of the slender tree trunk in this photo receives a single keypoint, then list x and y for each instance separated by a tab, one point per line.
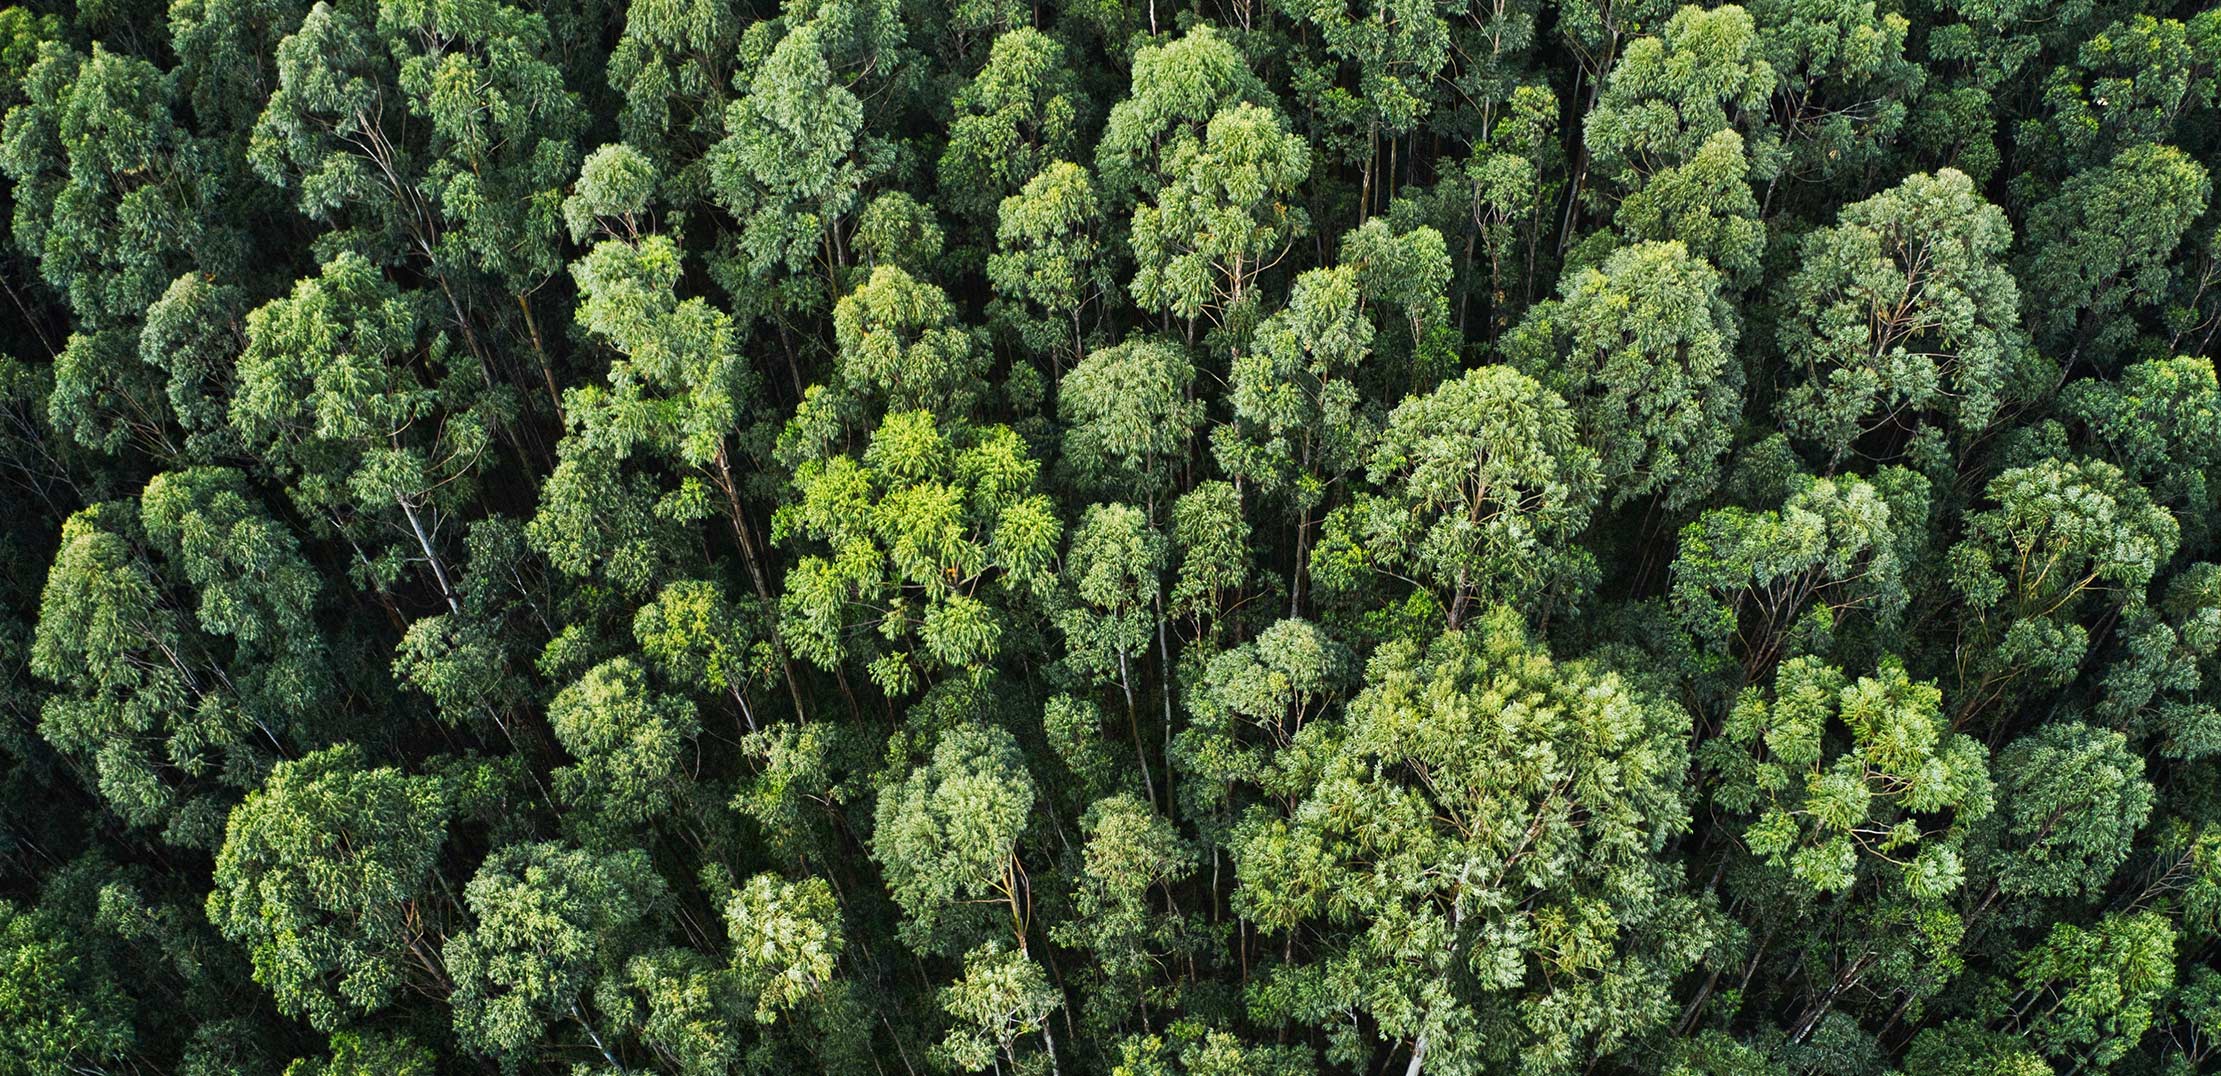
757	578
1164	689
439	567
1133	722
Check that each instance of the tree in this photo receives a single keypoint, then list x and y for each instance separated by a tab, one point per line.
1178	87
1002	997
1246	708
2169	656
2065	544
1394	53
112	198
548	923
1298	428
2071	799
1129	414
673	66
1643	347
1131	851
1481	485
628	739
921	531
2090	994
1843	84
786	937
790	169
901	348
168	705
697	636
1901	312
683	391
2131	82
947	836
1473	869
1667	95
1221	218
1019	114
1503	192
1763	586
1893	800
1210	543
368	1055
368	418
1113	571
1706	205
2150	423
436	131
62	1014
1048	267
2100	247
325	877
1405	270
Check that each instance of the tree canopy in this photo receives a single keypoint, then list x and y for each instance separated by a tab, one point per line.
1110	538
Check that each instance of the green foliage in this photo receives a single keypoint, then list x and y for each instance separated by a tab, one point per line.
1497	819
2100	247
325	879
786	937
1047	267
947	836
2064	543
1020	113
628	740
934	538
1668	94
1644	349
1481	482
2072	799
1903	310
58	1013
1221	217
1129	416
1762	586
690	538
1894	797
548	921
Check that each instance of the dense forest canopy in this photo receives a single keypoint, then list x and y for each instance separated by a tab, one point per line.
1143	537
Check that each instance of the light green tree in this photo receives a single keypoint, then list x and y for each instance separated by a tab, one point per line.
326	878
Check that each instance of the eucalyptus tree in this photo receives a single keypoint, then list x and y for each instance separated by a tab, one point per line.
2061	547
1442	886
924	551
1480	485
948	836
436	132
1221	218
379	428
1810	577
548	923
1049	268
1669	93
2101	247
1018	115
1900	315
328	878
171	706
1643	347
112	198
791	170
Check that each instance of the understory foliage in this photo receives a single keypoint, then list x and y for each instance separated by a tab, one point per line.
1110	538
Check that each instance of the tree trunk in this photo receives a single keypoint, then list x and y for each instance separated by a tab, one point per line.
439	567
